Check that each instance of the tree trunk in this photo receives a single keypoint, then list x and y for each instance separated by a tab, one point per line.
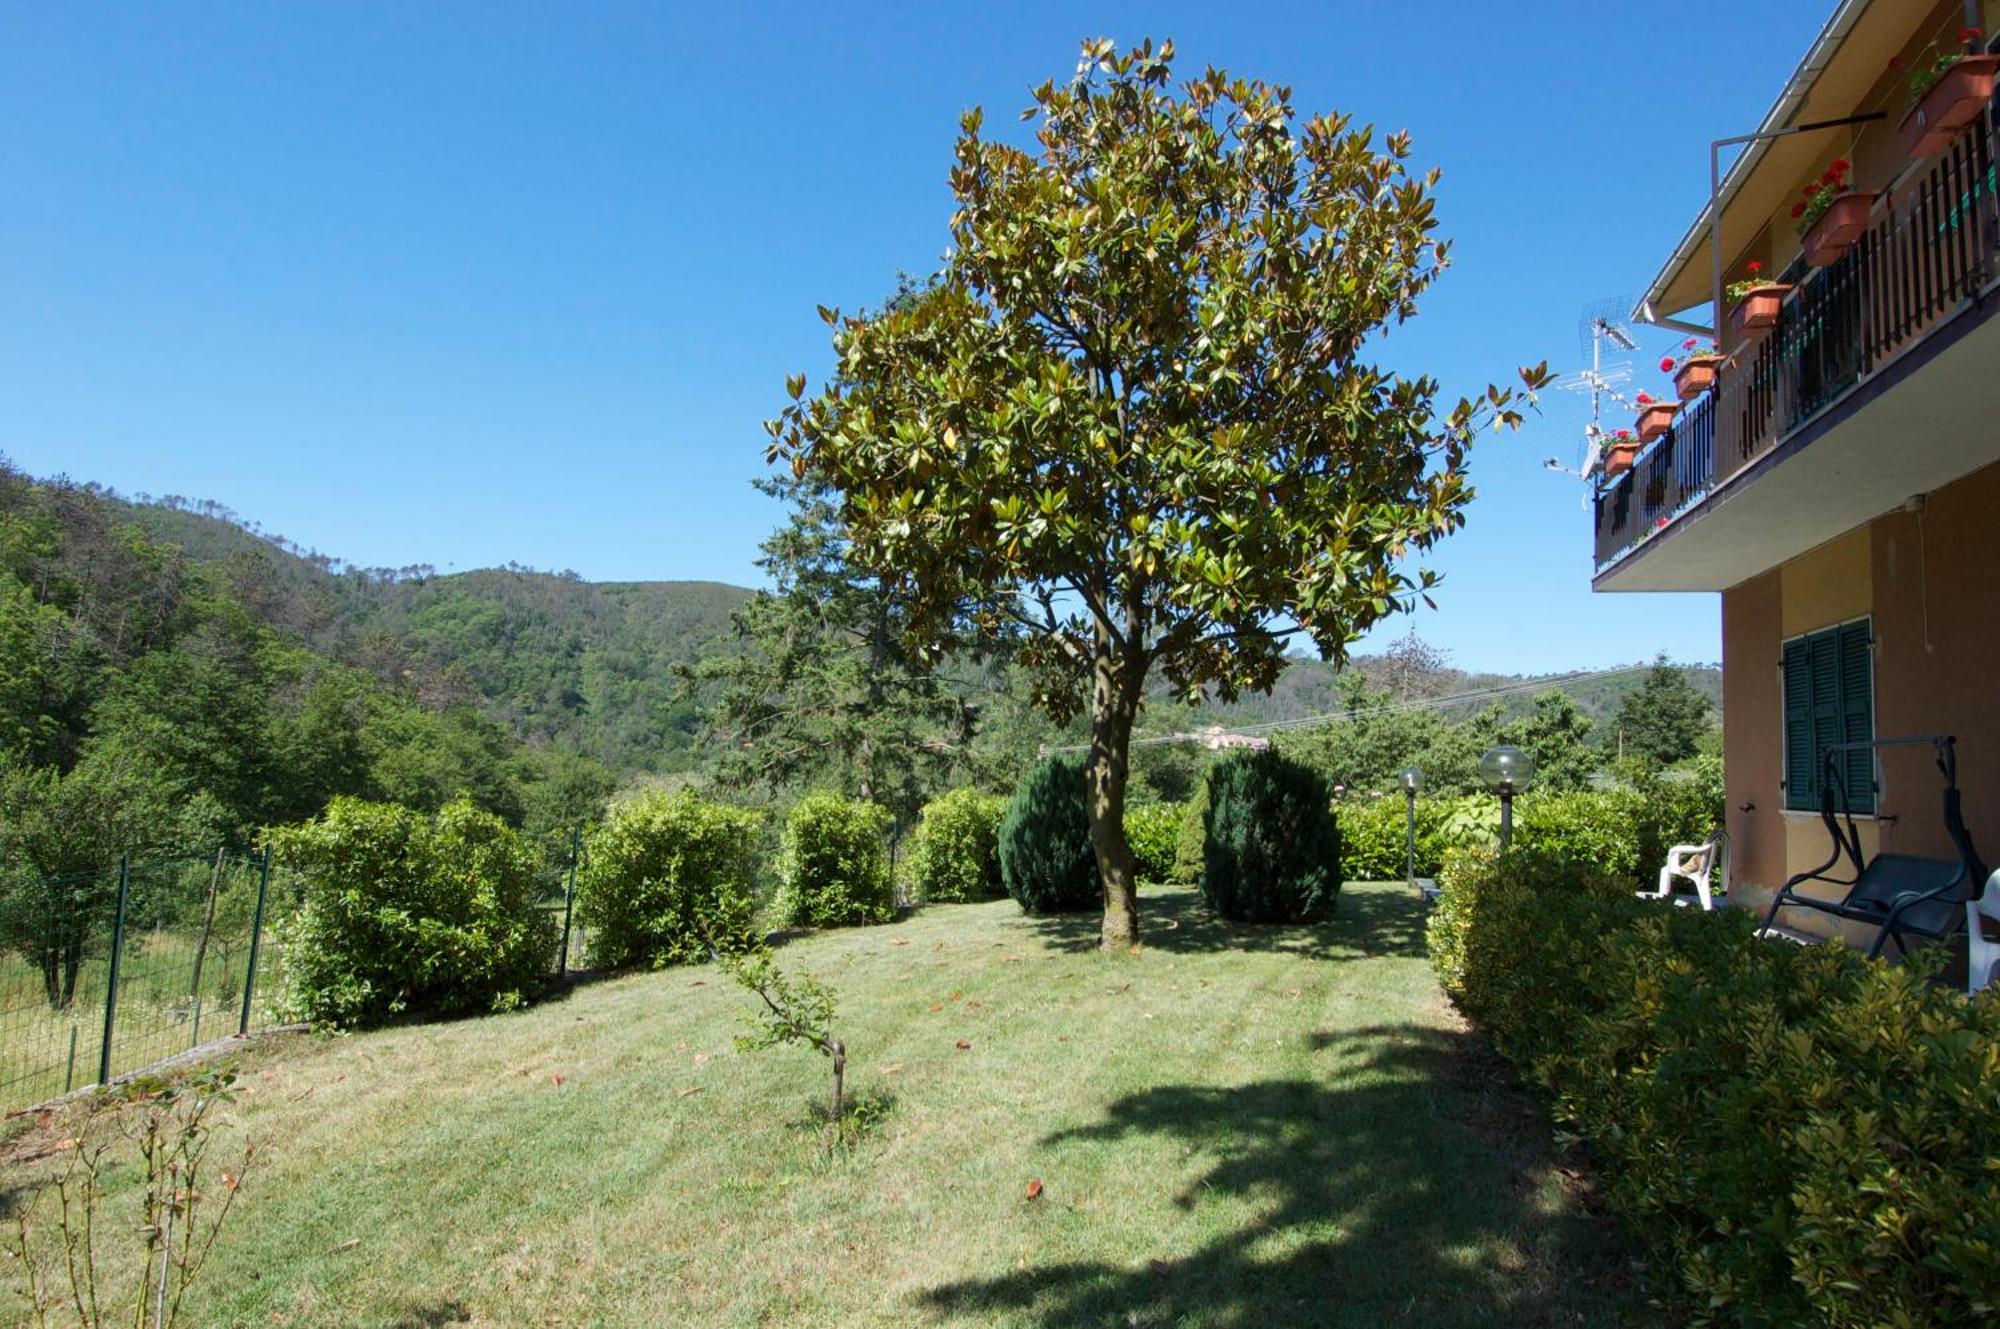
839	1086
1114	703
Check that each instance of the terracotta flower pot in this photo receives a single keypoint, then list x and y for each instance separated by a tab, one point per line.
1655	419
1952	103
1618	458
1844	222
1758	309
1696	375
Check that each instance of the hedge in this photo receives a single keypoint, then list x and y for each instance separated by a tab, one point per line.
1625	830
666	874
404	912
1154	830
833	864
1807	1134
955	850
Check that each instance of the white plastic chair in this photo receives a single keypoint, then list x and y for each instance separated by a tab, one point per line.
1696	863
1982	953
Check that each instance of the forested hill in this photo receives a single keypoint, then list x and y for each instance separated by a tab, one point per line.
586	666
590	666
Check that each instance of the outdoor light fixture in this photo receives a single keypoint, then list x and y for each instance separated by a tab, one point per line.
1412	779
1506	770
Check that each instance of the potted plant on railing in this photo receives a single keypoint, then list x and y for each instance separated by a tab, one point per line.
1754	302
1948	90
1620	449
1655	417
1694	369
1831	216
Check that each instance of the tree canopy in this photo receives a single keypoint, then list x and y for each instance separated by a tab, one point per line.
1134	417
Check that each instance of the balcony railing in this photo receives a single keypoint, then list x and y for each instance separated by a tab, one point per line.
1930	246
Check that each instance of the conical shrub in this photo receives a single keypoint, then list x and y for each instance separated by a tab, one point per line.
1046	862
1271	852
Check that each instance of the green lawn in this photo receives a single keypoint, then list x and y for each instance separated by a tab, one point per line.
1259	1127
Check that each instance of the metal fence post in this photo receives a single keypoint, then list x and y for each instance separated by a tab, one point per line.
569	901
256	940
111	978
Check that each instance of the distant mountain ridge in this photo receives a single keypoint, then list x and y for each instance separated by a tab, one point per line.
562	661
590	665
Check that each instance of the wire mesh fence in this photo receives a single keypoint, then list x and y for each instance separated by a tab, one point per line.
107	972
104	973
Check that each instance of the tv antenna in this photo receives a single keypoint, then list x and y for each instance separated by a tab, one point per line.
1603	335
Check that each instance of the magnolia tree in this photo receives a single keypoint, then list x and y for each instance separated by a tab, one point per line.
1133	420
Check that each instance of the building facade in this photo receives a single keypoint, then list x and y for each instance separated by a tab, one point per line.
1839	483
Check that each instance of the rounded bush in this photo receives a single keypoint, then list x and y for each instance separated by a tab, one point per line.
955	850
1273	852
1154	831
665	874
1046	861
406	912
833	864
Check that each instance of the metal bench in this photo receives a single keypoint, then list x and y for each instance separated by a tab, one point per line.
1900	895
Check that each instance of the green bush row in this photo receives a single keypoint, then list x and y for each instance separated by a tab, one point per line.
1625	830
1809	1135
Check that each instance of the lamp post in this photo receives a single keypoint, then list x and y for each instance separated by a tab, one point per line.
1506	770
1412	779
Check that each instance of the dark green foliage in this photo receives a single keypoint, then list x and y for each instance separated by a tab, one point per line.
955	850
1806	1135
1271	850
404	912
1154	832
833	864
664	877
1046	860
1663	721
1374	834
825	689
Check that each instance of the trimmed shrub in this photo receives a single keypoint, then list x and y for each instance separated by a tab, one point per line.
1154	832
1046	861
833	864
664	870
1188	846
1272	852
1806	1134
955	850
406	912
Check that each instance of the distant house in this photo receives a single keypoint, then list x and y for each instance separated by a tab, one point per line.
1839	485
1215	738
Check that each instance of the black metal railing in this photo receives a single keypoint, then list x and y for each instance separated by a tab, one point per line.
1930	246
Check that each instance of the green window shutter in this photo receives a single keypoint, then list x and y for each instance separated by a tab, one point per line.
1857	718
1829	699
1799	780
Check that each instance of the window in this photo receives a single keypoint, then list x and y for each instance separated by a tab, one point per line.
1830	698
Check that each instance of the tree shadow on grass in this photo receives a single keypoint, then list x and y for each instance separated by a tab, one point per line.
1406	1182
1365	924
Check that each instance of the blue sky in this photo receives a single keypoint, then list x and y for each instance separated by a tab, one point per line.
471	283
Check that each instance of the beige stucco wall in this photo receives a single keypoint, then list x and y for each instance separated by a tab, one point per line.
1931	582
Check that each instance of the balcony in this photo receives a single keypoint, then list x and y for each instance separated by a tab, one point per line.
1812	431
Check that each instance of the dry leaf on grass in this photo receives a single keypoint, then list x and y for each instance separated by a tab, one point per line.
558	1078
347	1245
964	1045
691	1089
1035	1189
